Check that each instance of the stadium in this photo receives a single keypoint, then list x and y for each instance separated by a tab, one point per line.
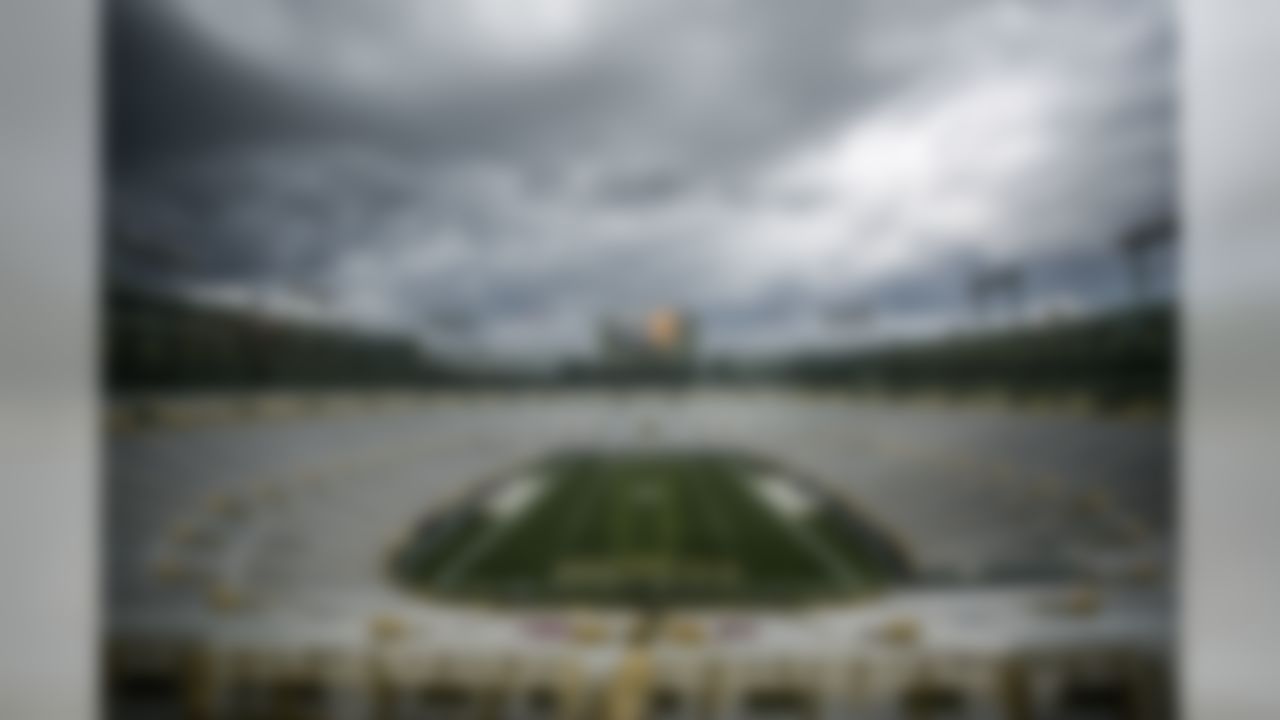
640	360
707	554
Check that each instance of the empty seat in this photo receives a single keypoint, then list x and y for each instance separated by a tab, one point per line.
149	695
778	704
438	702
299	700
541	703
1096	700
929	701
667	704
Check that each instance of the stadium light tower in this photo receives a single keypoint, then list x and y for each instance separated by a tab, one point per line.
155	258
1139	247
858	315
151	262
859	312
319	295
996	288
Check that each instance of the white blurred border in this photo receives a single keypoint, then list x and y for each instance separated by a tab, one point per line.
49	448
1231	490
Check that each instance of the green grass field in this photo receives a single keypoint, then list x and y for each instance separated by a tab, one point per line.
643	528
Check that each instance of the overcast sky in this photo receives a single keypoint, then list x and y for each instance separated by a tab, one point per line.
502	173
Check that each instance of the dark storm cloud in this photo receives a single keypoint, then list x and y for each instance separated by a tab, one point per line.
715	80
533	165
170	94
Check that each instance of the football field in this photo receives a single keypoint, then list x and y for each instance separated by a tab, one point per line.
649	527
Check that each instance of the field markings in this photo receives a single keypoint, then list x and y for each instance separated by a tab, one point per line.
578	518
781	495
641	501
804	536
720	526
654	555
621	518
643	523
673	525
721	530
570	551
497	530
516	498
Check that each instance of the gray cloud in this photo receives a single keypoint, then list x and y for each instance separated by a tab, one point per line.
759	163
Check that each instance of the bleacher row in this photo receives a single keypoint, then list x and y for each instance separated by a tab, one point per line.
140	412
1115	359
162	343
153	680
155	341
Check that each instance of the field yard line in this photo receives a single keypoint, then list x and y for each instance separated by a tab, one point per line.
670	525
671	502
820	548
477	549
580	514
620	497
806	537
724	533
